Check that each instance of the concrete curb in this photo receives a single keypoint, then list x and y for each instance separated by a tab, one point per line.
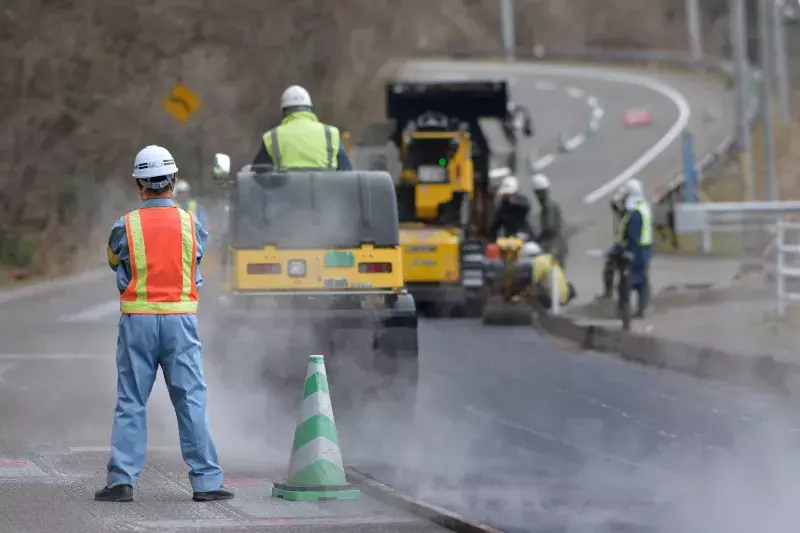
760	371
427	511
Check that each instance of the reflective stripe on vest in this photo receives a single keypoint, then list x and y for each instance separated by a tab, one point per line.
299	146
163	252
646	236
191	206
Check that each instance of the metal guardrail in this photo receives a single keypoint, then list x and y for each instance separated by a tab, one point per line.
730	217
669	194
784	269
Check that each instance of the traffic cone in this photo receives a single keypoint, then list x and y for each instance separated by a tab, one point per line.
316	471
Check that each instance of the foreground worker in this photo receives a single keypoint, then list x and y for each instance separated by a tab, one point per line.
183	199
545	268
155	252
511	217
301	140
635	246
550	237
610	266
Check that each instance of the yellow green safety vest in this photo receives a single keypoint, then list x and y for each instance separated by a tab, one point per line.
646	237
302	141
191	206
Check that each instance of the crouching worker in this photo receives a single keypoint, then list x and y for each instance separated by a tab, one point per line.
545	268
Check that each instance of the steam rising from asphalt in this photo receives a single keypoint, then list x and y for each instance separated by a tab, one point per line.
739	476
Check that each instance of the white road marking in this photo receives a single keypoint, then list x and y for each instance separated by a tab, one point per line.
597	73
592	101
575	92
574	142
543	162
598	113
28	291
50	356
93	314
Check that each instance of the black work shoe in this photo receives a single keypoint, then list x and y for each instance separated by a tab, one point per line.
119	493
213	495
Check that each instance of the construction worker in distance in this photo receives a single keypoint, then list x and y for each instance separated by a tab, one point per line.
511	216
544	267
550	236
186	202
609	266
635	245
156	252
301	140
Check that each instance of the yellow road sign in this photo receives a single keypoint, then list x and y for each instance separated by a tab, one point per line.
181	103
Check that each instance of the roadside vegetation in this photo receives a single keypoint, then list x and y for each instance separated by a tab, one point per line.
83	83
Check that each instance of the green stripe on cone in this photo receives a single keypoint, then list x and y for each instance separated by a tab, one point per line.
316	471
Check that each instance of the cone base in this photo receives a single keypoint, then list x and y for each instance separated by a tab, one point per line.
295	493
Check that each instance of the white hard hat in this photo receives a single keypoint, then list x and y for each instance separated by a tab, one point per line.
634	187
182	186
509	185
540	182
530	249
295	96
153	162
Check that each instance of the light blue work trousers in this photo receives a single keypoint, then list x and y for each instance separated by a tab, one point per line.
144	343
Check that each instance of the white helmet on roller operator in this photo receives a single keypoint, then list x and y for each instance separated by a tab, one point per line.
154	167
509	185
295	96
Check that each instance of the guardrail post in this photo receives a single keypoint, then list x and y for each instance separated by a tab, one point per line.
707	236
555	292
779	260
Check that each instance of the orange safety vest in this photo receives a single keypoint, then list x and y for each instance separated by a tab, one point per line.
163	252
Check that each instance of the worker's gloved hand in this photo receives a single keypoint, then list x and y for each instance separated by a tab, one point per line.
627	257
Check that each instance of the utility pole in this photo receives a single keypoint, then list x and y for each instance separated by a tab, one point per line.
739	41
768	76
781	60
694	29
509	37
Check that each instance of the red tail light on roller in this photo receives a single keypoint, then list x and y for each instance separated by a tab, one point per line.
263	268
375	268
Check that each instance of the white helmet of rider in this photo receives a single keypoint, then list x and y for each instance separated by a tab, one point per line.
540	182
295	96
154	162
509	185
182	186
530	249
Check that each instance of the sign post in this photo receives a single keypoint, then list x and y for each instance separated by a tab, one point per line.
689	169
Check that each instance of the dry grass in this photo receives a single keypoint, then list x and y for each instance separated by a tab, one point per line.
82	83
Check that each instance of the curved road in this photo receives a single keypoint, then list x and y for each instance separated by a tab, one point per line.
512	430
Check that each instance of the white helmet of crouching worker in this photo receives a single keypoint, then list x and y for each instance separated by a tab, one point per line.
509	186
154	167
540	182
530	249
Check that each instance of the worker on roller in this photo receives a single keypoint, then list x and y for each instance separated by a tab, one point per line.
634	249
617	205
545	267
301	140
511	216
155	252
181	196
550	236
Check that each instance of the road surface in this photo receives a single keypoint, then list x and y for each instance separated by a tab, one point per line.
512	429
